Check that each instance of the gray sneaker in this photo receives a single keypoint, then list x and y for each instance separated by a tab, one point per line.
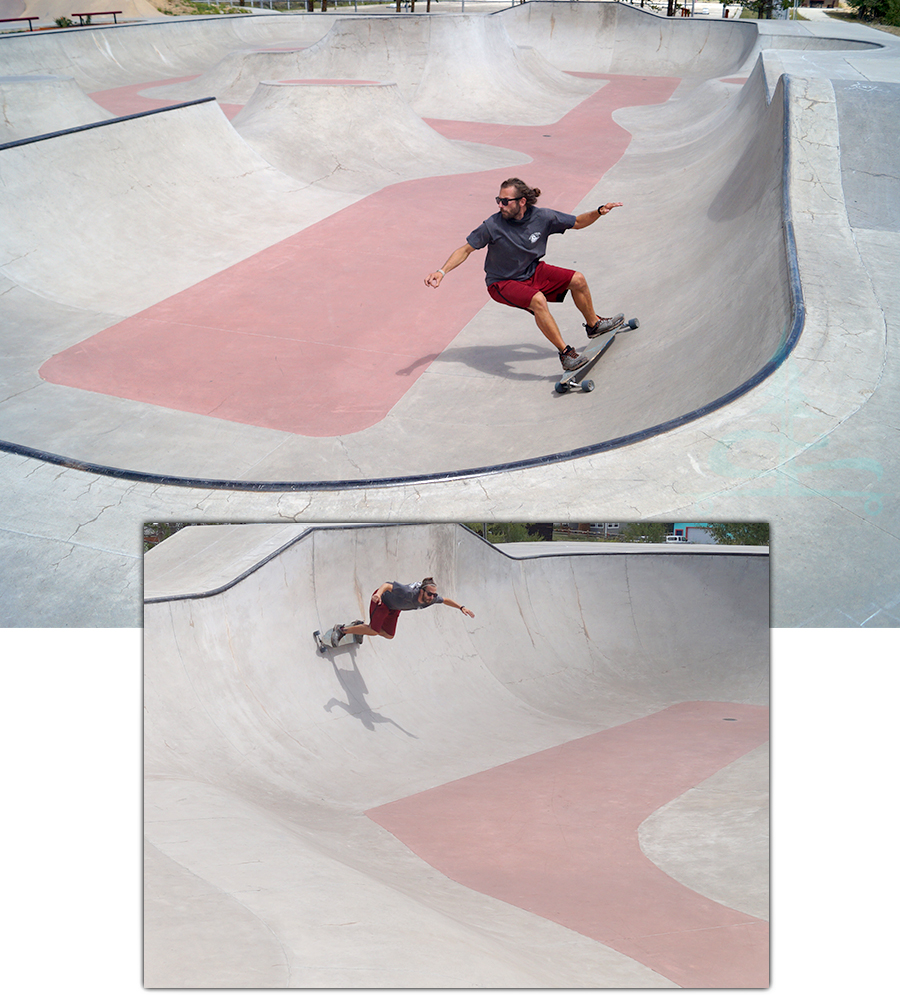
603	325
571	359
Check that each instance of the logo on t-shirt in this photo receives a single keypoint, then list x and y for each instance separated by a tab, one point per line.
535	237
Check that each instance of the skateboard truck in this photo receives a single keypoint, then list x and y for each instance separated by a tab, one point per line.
325	638
578	378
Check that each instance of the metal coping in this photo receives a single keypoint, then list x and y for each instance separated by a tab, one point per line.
102	122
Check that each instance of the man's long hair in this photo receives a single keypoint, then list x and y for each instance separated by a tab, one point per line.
530	194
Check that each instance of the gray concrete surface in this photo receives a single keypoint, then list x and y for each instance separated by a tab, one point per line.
261	755
870	158
453	67
284	124
42	104
726	819
804	449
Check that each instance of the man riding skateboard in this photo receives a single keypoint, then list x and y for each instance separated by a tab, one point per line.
389	600
515	273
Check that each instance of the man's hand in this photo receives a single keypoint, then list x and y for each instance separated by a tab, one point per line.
593	215
457	258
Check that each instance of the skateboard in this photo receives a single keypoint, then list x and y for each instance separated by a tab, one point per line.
325	638
573	378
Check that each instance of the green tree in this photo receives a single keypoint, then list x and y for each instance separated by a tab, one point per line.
156	532
886	11
739	533
654	533
763	8
504	533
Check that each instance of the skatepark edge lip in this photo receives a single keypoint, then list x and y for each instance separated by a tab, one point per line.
330	528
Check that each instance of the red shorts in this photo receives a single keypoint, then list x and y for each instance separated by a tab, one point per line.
550	280
382	618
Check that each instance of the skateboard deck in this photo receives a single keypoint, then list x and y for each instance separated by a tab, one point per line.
325	638
572	379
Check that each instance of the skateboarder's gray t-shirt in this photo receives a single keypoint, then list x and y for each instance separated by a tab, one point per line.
514	247
405	597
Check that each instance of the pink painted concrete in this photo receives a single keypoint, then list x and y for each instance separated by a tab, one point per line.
128	100
342	304
556	833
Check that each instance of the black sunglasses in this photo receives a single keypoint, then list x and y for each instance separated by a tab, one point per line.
506	202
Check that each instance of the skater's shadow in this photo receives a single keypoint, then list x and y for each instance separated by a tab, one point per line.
351	680
513	362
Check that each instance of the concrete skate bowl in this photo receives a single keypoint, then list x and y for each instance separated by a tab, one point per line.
506	801
617	38
448	67
105	57
236	335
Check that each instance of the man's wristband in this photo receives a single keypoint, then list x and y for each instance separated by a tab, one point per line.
442	272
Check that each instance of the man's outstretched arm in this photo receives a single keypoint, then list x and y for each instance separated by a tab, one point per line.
457	258
586	219
452	603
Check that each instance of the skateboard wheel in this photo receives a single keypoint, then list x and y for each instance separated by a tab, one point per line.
634	323
587	385
561	388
